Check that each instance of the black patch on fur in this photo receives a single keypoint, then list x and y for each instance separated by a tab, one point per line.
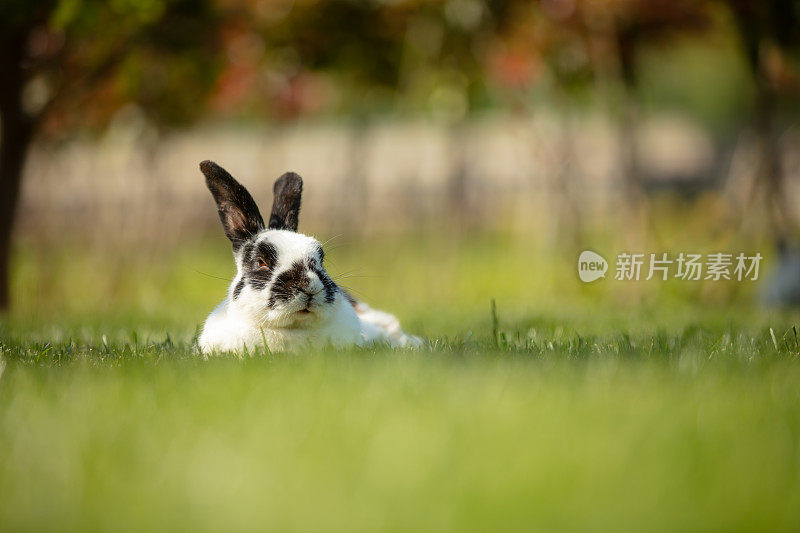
238	288
321	253
257	277
330	288
237	210
289	282
247	253
288	190
327	282
268	253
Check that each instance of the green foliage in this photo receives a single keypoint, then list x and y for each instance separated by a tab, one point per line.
87	58
181	59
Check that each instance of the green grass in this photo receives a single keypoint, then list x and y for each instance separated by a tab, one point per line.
592	407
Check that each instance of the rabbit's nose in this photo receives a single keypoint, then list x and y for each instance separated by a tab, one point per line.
311	291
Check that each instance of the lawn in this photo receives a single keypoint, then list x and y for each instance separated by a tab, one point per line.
604	407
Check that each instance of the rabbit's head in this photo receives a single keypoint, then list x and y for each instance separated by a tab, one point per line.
280	280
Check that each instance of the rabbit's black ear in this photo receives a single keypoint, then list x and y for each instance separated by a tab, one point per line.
237	210
288	191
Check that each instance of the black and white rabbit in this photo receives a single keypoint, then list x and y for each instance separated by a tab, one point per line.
282	294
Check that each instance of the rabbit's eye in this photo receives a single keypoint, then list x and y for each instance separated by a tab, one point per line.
262	264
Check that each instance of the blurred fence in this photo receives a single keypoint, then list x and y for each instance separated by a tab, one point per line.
133	184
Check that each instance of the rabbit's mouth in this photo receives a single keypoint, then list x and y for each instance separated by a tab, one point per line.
311	305
308	310
296	318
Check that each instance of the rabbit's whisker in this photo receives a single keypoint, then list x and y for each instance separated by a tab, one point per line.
329	240
354	271
229	280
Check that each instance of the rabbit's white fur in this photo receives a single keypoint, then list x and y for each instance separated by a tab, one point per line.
380	326
229	329
282	295
247	321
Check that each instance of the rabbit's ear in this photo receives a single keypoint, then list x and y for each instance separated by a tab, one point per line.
237	210
288	191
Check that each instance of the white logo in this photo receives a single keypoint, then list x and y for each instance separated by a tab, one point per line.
591	266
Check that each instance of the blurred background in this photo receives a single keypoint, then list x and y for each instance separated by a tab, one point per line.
453	152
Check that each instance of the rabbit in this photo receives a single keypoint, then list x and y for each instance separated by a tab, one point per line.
281	295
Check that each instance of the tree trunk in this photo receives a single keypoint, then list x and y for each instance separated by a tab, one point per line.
16	132
13	151
636	210
769	181
771	173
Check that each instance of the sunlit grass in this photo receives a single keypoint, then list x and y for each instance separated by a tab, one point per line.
592	407
463	437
